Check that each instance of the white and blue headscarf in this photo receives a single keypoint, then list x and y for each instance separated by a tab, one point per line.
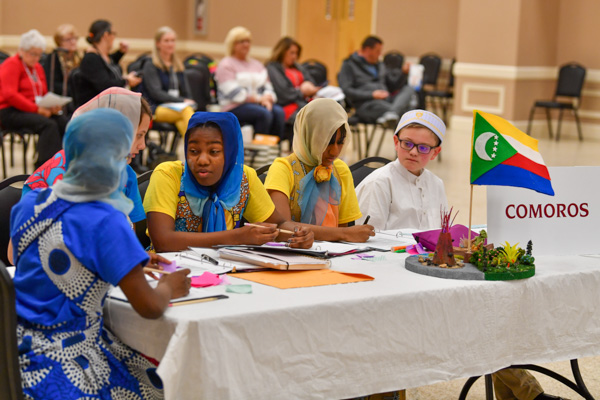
208	202
96	145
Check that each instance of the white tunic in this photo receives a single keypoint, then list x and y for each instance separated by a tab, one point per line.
396	199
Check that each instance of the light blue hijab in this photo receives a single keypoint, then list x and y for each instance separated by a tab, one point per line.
207	202
96	145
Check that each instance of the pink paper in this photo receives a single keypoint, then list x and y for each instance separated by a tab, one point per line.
170	267
206	279
415	249
429	238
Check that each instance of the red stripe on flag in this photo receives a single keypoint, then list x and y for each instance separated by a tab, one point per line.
521	161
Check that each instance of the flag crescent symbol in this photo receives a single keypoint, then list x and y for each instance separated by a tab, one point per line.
480	143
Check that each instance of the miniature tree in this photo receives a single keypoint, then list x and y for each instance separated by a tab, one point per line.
444	252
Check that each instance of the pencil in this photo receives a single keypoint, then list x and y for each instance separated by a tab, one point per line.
262	226
186	302
367	220
148	269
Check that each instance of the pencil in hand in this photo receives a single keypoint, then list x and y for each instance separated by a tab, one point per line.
262	226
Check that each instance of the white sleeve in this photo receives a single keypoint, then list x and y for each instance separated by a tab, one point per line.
374	199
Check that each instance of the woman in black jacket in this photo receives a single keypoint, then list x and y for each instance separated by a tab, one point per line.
165	85
100	69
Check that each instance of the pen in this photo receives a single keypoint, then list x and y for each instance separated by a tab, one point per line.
367	220
262	226
194	301
399	248
159	271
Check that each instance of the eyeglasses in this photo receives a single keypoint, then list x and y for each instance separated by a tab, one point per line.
34	54
421	148
71	39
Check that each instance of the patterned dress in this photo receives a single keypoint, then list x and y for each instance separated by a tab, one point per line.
62	278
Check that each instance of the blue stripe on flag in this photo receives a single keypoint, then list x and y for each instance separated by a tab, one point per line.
508	175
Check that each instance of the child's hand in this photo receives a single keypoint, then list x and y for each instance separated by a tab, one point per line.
303	238
359	233
258	234
178	281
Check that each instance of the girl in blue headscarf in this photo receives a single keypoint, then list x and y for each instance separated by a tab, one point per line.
71	243
202	202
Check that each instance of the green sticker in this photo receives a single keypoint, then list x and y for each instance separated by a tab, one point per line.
240	289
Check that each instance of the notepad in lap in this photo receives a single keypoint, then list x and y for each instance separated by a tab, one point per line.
274	260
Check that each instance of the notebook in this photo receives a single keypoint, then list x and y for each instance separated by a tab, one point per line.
195	294
274	259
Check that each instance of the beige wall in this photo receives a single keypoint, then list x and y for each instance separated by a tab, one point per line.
418	27
579	32
537	34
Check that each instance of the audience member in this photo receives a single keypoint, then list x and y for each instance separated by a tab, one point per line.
201	202
99	69
403	194
59	64
165	82
244	86
22	86
86	245
137	110
362	78
312	185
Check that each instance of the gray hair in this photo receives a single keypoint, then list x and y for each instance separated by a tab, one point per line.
32	39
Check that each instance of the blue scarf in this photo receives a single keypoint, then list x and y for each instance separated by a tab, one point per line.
207	202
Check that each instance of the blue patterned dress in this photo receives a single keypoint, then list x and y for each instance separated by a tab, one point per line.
67	256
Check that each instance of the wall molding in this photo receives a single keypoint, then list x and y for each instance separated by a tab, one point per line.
467	88
141	45
512	72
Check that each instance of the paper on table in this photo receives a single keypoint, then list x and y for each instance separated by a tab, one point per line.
385	240
338	248
175	106
52	100
298	279
194	294
284	261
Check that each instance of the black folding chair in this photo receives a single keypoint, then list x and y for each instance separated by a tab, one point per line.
141	226
9	196
360	170
262	172
570	83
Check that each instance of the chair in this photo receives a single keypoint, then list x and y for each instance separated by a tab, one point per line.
395	78
444	97
3	56
360	170
164	130
10	374
24	135
570	82
199	83
432	64
141	226
317	70
262	172
75	82
9	196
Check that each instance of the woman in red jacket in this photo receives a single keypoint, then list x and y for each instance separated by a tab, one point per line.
22	85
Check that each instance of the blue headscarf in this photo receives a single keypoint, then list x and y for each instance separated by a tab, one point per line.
96	145
207	202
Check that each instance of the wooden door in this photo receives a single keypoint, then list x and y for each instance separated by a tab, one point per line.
330	30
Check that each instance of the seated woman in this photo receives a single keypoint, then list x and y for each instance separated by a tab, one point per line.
202	202
164	82
292	83
312	185
59	64
99	69
244	87
22	86
84	247
137	110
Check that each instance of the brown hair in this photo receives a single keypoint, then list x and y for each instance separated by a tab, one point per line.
281	47
177	64
62	31
145	109
415	125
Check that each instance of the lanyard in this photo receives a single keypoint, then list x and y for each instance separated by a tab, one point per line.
35	81
174	80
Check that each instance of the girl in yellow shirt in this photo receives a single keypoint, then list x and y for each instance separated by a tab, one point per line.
312	186
201	202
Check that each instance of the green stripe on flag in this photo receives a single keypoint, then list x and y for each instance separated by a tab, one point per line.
489	148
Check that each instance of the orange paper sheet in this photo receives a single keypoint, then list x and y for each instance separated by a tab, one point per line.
297	279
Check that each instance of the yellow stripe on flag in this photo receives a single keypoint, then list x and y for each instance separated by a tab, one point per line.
508	129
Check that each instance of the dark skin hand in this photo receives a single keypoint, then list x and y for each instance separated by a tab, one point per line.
151	303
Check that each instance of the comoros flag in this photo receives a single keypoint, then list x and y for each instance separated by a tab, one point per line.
503	155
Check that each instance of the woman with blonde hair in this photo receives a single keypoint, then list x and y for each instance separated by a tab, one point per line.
165	82
244	86
63	59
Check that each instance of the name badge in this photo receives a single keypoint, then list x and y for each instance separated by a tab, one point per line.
38	99
173	92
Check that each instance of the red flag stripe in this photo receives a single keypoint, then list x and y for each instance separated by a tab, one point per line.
521	161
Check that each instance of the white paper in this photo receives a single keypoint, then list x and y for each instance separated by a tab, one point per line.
385	240
176	106
52	100
195	293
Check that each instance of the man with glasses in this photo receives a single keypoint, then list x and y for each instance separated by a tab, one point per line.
403	194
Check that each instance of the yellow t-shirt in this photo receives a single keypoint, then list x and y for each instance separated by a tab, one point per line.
280	177
165	185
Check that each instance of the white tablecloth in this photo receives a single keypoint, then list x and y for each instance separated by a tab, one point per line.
401	330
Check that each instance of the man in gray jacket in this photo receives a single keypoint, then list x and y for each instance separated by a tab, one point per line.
362	78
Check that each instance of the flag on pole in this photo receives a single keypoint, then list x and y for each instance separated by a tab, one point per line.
503	155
